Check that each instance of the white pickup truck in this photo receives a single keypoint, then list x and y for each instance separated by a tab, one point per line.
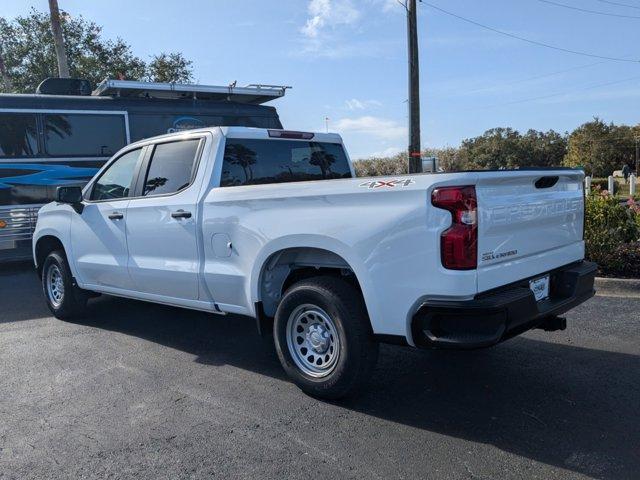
272	224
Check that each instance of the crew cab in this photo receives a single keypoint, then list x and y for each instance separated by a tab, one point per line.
274	225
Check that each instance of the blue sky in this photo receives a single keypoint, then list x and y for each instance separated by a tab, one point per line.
346	60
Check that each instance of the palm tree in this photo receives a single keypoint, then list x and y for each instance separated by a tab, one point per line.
324	160
18	135
238	154
58	41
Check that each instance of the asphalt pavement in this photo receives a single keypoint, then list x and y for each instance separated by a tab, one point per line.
137	390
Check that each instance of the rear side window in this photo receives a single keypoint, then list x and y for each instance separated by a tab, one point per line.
18	135
253	162
171	168
80	135
115	182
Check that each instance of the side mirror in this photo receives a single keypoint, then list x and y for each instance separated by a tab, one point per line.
71	195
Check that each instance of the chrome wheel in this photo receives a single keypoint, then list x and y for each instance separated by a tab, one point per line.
313	341
55	286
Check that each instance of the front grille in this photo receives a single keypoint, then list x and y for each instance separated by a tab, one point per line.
19	225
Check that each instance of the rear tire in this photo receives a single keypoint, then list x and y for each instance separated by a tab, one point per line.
323	337
64	298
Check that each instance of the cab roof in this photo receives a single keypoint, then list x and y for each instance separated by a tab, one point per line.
251	133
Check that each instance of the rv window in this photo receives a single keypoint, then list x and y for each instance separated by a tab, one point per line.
150	125
84	135
18	135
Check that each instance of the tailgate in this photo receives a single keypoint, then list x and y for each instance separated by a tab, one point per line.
530	222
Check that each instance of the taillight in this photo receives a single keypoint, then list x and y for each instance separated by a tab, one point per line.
459	243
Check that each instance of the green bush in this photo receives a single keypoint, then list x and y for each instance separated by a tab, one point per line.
621	188
624	261
608	225
599	183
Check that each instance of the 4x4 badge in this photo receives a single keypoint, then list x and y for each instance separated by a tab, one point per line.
404	182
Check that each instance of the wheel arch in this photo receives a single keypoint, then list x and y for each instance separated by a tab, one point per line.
44	245
282	263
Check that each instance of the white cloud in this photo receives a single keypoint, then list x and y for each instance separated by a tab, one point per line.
355	104
375	126
329	13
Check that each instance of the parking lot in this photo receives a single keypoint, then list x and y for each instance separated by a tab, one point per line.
138	390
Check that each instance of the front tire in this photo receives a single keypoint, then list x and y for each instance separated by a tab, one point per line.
323	337
64	298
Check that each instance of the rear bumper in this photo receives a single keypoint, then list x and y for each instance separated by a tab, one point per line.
497	315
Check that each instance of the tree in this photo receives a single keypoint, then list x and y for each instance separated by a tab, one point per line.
29	54
448	158
495	148
5	81
170	67
601	148
58	40
543	149
324	160
244	157
507	148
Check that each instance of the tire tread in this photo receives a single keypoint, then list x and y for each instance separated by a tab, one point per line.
353	315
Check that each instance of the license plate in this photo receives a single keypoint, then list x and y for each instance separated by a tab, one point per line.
540	287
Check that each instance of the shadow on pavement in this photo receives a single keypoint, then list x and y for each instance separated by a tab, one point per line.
20	294
567	406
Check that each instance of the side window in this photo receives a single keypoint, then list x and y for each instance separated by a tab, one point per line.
116	180
253	162
84	135
171	167
18	135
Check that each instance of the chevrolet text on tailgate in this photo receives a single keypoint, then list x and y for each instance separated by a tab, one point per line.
272	224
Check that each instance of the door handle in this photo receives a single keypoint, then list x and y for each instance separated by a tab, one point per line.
180	214
116	216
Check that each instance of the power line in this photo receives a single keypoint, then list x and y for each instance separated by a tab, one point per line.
585	10
528	40
560	94
537	77
543	75
619	4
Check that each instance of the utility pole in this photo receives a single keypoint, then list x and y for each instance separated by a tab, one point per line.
415	161
58	41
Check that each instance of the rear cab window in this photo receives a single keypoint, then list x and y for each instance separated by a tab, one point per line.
256	161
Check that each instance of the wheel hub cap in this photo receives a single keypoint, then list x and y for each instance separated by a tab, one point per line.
318	337
312	340
55	285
